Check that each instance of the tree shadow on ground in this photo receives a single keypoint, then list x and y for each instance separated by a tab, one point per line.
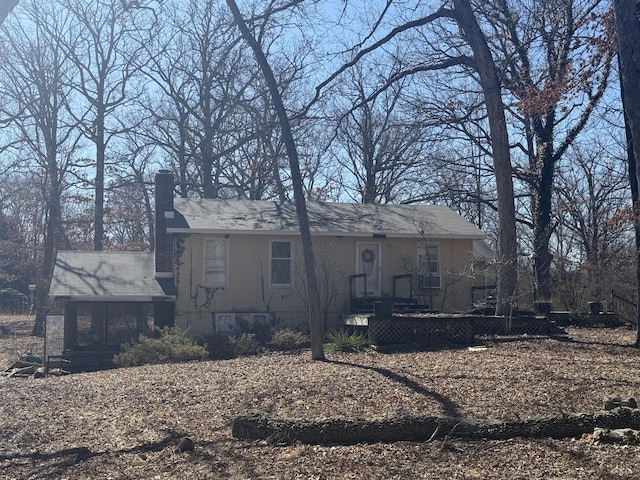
42	465
449	407
577	341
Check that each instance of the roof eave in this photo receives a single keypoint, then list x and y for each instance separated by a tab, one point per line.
115	298
318	233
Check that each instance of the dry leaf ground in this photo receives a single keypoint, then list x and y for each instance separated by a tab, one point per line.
126	423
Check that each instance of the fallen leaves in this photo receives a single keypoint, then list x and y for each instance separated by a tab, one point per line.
131	420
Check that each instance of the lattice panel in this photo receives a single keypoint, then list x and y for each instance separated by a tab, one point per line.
491	326
504	326
419	331
440	331
461	331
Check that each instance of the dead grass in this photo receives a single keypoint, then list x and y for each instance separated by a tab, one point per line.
125	423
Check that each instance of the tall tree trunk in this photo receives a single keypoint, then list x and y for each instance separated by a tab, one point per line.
98	222
491	88
313	292
627	13
542	228
635	202
54	216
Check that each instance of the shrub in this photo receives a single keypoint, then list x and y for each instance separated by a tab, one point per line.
287	340
171	345
219	347
246	344
343	341
262	331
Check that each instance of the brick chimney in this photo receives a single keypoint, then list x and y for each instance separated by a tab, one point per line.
164	210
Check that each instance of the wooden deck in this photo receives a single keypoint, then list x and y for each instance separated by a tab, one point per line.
444	329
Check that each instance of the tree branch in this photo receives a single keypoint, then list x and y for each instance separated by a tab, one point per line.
441	13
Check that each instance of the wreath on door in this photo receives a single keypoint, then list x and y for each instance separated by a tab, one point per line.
368	256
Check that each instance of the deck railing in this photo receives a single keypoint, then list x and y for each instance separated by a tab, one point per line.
354	278
352	284
404	276
625	309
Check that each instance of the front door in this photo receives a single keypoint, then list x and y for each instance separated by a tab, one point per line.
368	262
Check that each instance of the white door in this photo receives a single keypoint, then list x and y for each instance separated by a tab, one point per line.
368	262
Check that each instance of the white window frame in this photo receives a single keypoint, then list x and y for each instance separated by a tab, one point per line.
423	262
223	262
272	258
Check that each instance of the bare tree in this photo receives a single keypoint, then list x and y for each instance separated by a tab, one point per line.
21	200
206	86
486	68
258	168
554	64
21	220
36	75
322	177
315	316
627	17
590	193
381	147
102	51
590	245
135	160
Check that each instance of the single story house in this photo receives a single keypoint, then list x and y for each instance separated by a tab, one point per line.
221	265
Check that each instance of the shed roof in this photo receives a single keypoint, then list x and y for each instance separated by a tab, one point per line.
114	276
12	292
219	216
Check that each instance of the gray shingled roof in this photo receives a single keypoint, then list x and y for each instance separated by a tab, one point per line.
347	219
121	276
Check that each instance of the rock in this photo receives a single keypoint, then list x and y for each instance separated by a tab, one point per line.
624	436
185	445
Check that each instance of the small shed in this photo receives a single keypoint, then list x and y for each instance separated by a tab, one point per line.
107	299
13	301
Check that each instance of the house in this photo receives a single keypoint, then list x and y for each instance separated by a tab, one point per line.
220	266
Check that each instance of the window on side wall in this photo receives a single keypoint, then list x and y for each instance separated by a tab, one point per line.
216	261
428	265
281	263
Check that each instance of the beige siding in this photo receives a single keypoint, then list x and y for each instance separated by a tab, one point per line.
249	289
